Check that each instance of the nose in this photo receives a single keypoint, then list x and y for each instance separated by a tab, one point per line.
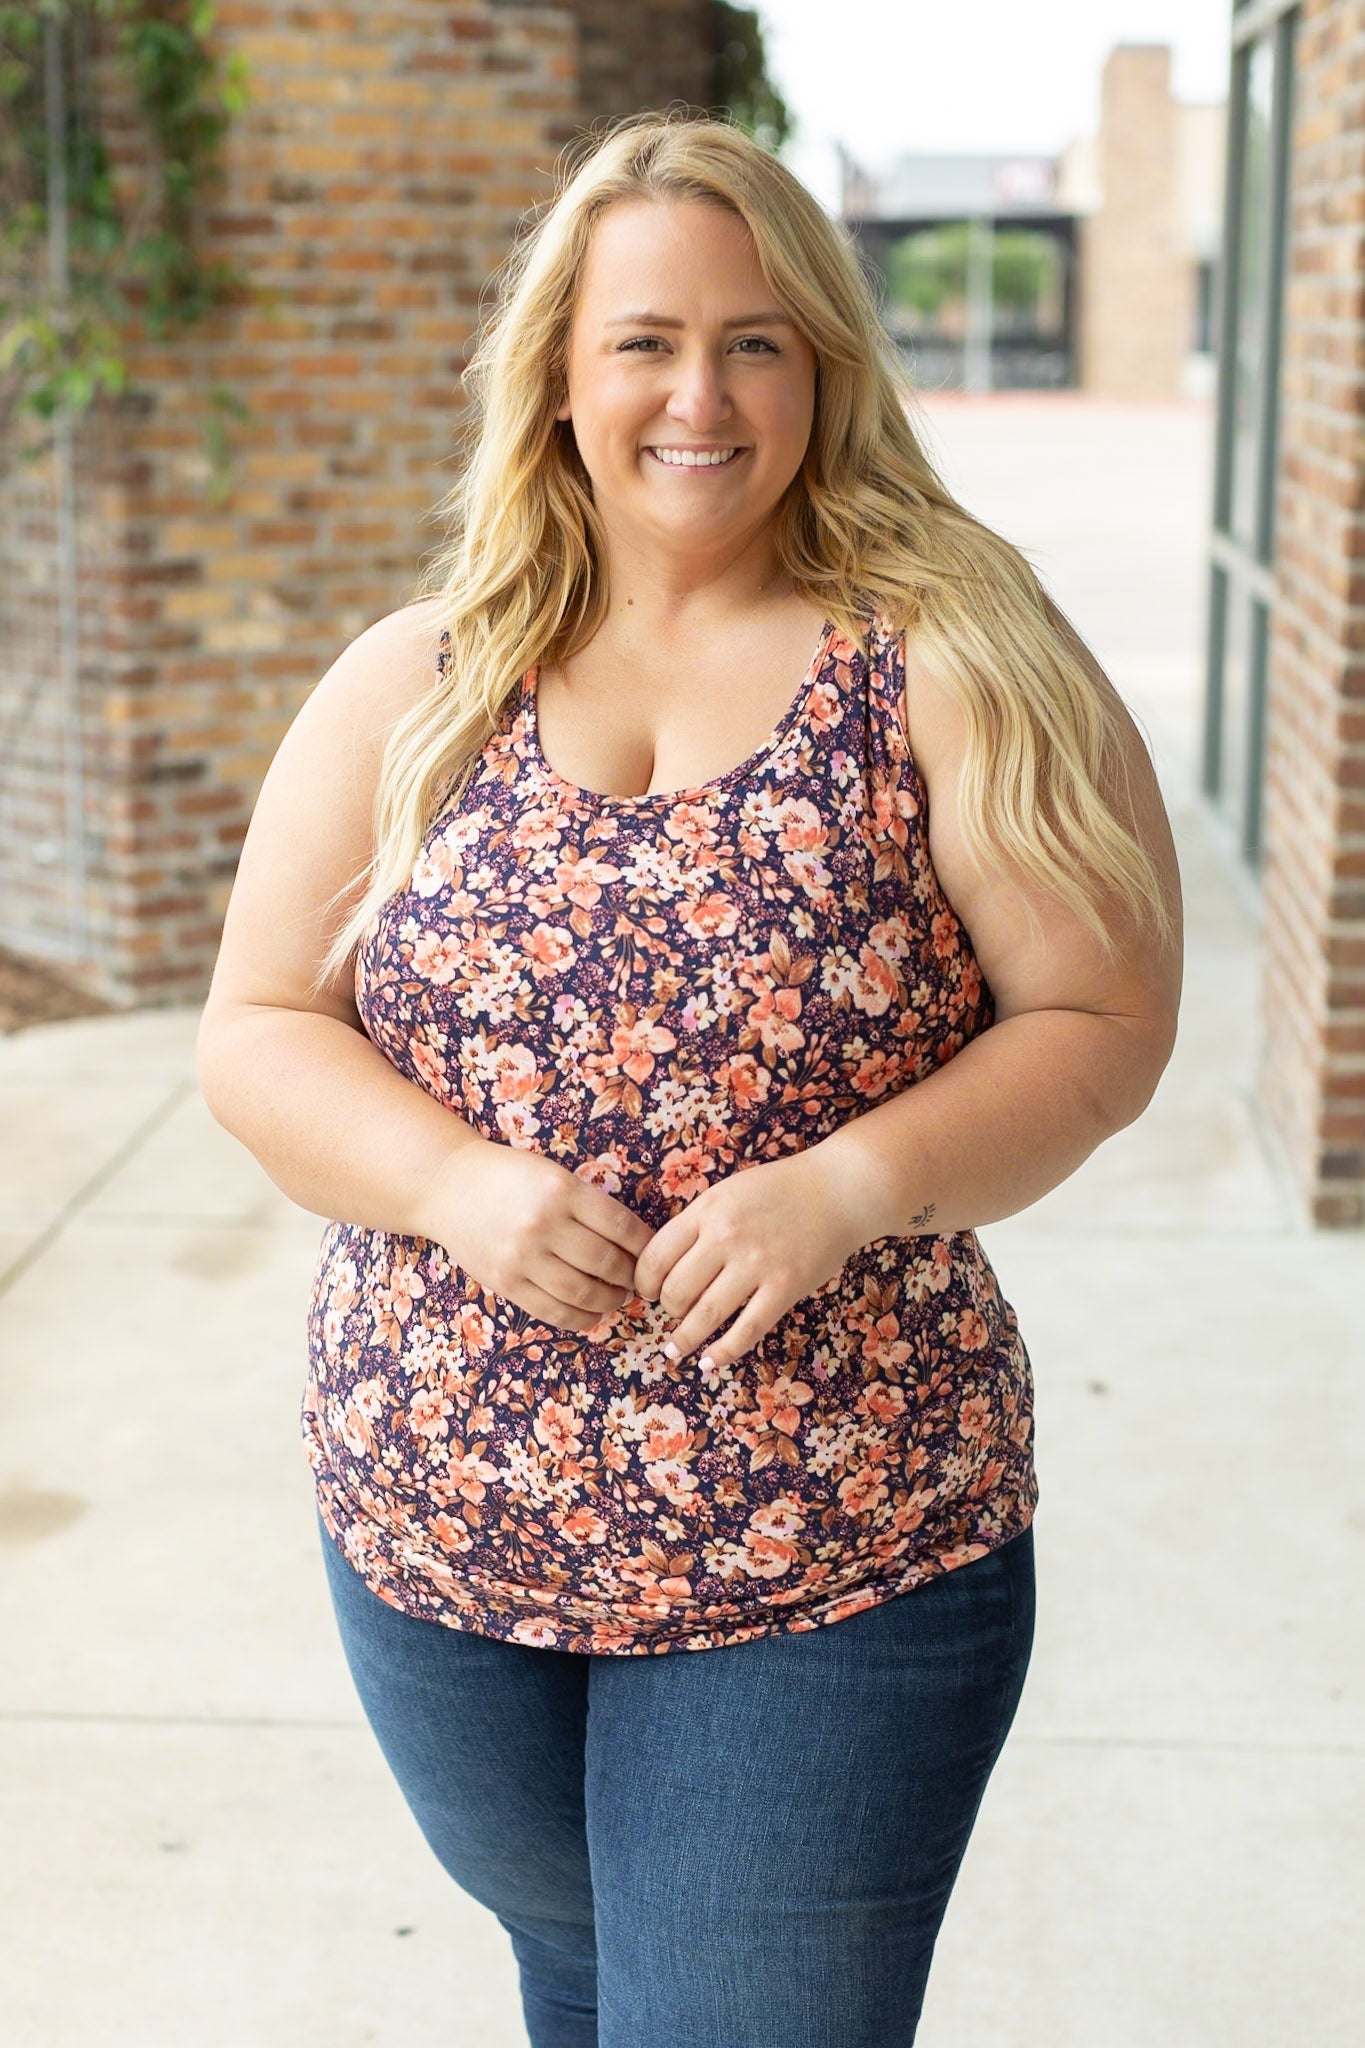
699	398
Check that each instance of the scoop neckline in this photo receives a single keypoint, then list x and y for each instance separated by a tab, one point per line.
530	685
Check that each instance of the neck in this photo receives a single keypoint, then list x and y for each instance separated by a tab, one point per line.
669	589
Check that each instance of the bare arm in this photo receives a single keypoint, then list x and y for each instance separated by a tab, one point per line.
1078	1045
332	1122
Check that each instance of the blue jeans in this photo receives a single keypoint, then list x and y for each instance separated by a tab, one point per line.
743	1847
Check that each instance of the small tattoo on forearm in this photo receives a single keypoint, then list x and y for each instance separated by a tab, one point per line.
922	1216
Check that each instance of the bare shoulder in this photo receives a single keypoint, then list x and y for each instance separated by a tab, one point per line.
312	830
1053	962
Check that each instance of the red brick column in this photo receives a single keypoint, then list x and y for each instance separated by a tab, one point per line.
1312	1073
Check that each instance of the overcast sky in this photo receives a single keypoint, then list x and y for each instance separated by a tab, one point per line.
884	76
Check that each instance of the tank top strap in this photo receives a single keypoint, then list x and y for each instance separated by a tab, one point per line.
886	690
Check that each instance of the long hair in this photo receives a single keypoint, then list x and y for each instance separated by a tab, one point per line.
521	576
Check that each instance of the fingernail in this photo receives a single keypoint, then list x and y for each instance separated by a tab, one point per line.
704	1361
670	1348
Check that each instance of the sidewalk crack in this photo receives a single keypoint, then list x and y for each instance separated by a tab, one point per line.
101	1177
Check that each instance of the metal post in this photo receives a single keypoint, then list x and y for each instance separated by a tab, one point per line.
976	359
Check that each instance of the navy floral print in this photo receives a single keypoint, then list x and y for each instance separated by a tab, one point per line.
658	991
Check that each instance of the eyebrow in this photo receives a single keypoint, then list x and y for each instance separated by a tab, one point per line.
768	319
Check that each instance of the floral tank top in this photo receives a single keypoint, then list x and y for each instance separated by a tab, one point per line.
657	991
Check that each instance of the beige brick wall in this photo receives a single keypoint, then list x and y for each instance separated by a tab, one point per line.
1136	281
1312	1076
372	187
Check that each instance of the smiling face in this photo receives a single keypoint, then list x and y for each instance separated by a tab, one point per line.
691	393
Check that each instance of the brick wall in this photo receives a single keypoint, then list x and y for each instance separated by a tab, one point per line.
1312	1077
372	187
634	56
1136	281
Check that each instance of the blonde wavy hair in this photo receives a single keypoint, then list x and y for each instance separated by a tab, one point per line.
521	577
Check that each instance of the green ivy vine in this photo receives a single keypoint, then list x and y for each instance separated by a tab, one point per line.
57	352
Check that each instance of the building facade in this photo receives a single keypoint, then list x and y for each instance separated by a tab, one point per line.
1284	725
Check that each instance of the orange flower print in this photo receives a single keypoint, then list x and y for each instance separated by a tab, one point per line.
517	1125
537	829
711	917
359	1416
683	1172
427	1412
581	879
470	1473
559	1429
476	1329
606	1170
515	1075
393	1304
768	1557
665	1432
450	1532
656	993
584	1525
886	820
538	1635
890	939
746	1080
974	1417
930	1271
780	1402
550	950
824	707
634	1044
437	959
780	1518
810	874
883	1344
693	824
863	1490
438	866
876	1074
944	933
876	985
773	1015
801	829
671	1478
882	1401
430	1063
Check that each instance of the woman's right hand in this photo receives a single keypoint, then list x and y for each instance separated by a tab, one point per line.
525	1227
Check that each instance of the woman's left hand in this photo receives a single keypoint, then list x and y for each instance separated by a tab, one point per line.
759	1240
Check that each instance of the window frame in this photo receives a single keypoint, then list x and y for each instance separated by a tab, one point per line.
1241	572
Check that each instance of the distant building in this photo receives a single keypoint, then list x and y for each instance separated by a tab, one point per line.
1127	226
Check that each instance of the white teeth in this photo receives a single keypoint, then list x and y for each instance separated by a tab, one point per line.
686	458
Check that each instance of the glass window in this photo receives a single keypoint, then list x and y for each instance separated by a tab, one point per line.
1247	318
1249	335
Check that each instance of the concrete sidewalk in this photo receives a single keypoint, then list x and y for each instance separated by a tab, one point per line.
207	1850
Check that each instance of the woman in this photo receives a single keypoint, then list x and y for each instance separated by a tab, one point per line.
656	1100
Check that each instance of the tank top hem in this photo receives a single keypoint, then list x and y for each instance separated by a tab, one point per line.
537	1623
